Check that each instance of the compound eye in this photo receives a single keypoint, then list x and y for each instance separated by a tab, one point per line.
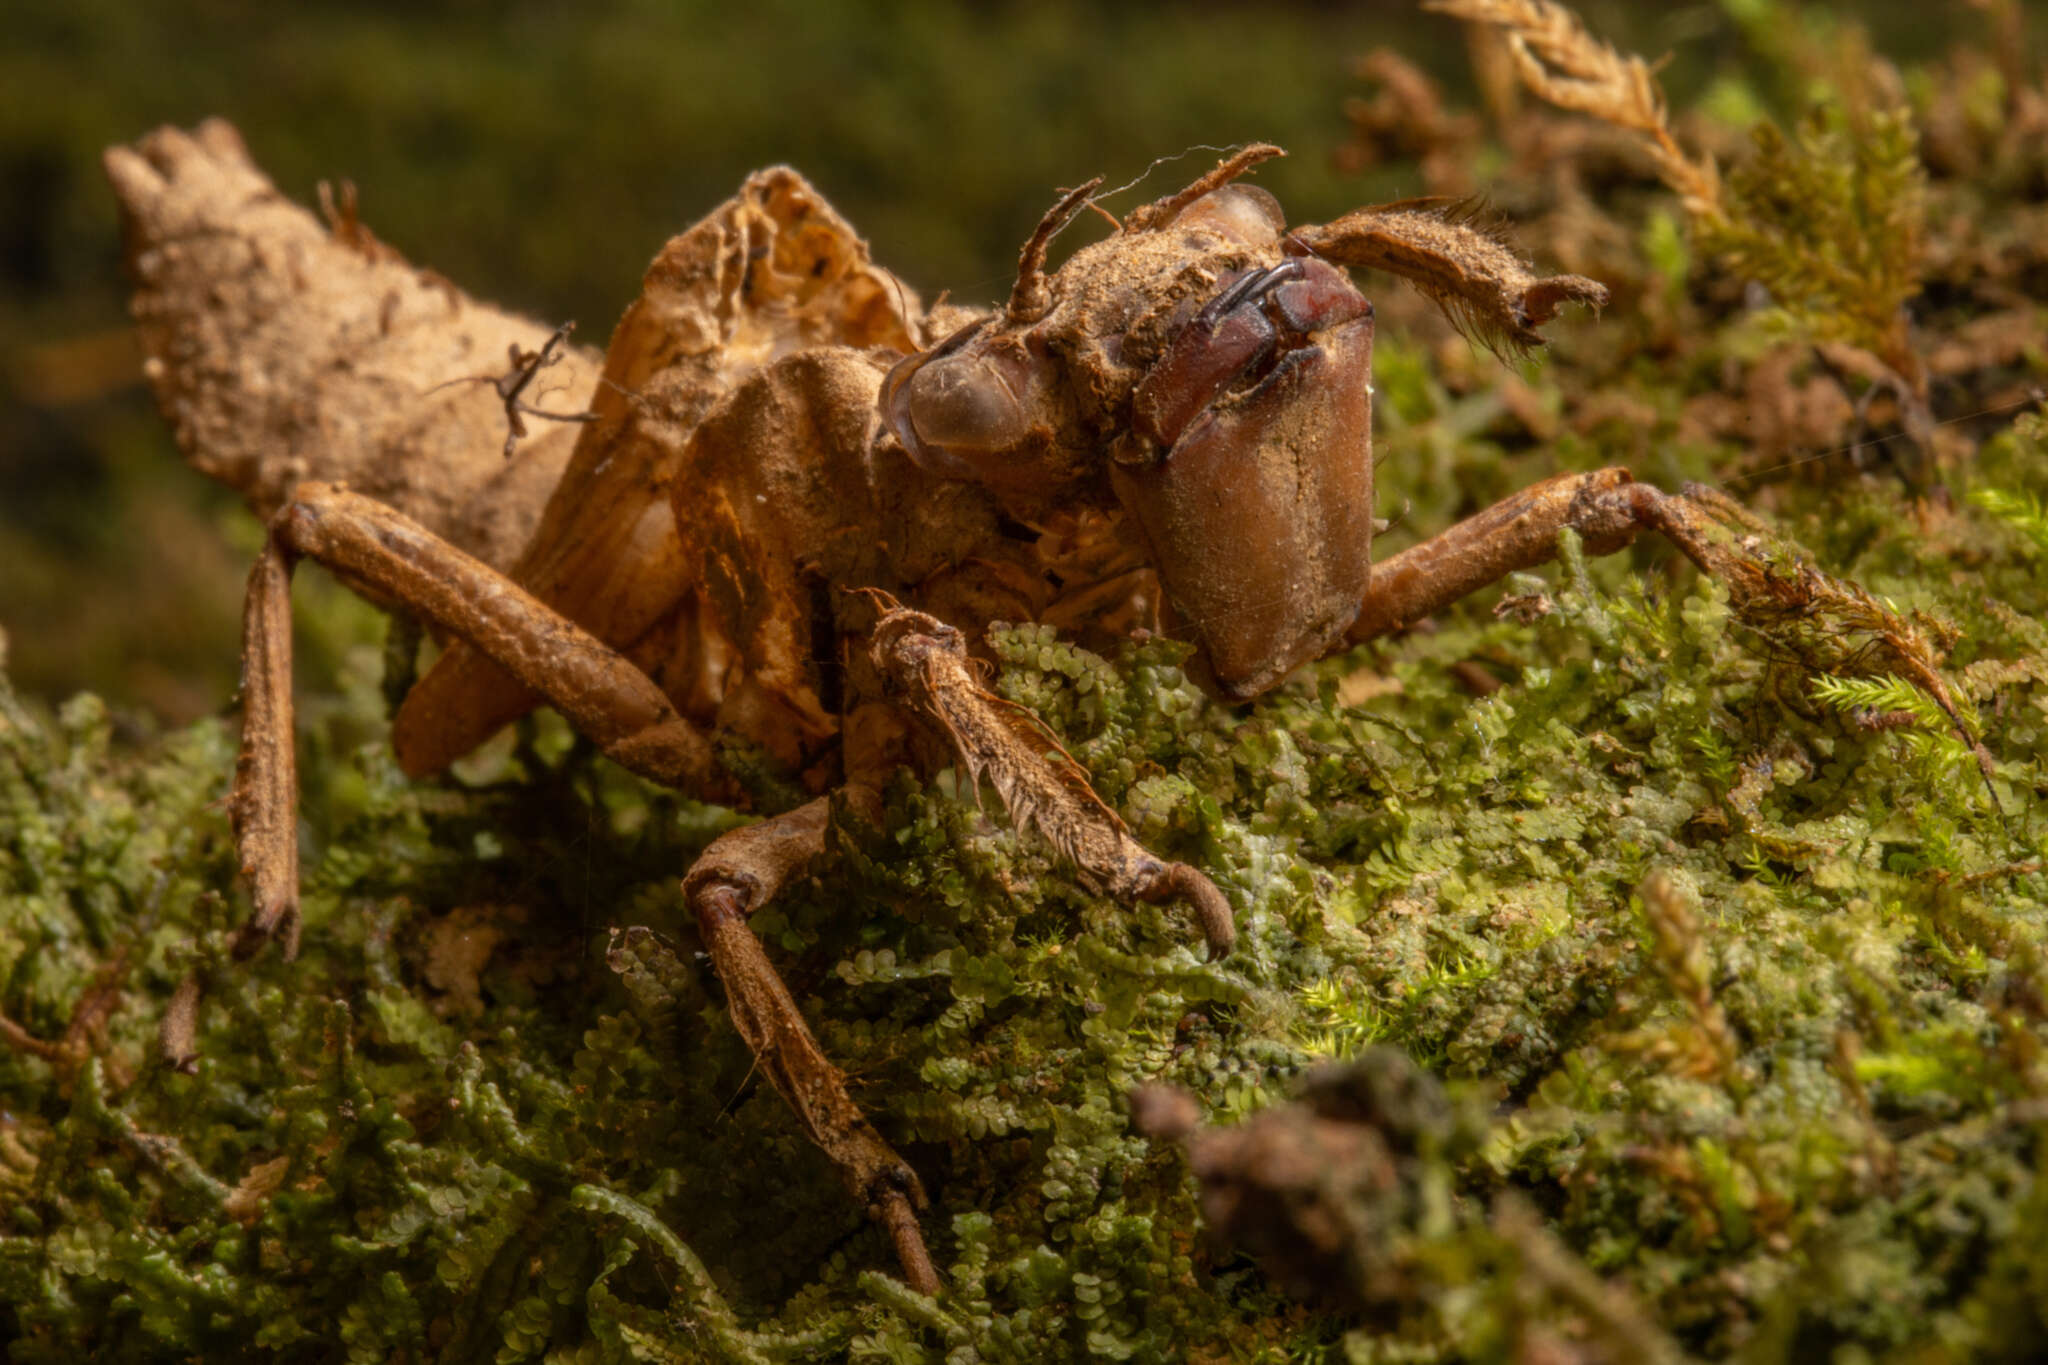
965	409
1245	212
965	403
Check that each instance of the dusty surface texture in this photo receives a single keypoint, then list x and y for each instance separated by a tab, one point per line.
282	350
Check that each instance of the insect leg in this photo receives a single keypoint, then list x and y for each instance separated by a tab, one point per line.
604	697
1606	507
395	559
737	875
926	662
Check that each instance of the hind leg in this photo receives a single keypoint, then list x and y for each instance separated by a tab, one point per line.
375	548
618	707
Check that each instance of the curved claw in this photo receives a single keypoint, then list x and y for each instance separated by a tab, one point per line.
1212	912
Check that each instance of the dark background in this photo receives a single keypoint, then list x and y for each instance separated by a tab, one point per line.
539	153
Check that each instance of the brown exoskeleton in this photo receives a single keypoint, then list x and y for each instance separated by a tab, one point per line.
800	500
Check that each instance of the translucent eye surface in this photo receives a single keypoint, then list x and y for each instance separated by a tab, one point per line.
973	407
964	403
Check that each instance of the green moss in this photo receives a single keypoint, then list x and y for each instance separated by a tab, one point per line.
1799	1106
1831	221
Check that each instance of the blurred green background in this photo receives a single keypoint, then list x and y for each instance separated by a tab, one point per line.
539	153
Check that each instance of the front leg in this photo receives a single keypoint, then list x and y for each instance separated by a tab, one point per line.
1607	507
926	662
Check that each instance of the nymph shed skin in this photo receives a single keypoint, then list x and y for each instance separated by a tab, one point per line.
796	500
